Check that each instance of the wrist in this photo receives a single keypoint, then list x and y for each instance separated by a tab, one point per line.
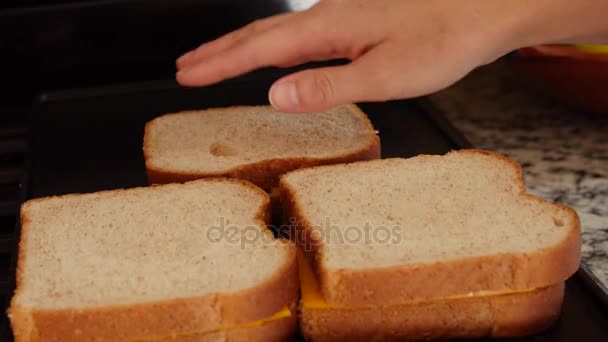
498	27
505	26
557	22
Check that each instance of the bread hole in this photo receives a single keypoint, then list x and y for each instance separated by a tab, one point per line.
558	222
220	149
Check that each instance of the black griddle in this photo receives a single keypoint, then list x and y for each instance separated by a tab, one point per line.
91	139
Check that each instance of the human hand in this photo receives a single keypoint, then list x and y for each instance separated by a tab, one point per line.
398	49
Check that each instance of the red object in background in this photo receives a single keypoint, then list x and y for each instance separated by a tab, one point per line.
573	76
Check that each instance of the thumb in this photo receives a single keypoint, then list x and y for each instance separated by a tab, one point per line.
319	89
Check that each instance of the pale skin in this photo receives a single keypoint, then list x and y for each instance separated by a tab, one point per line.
397	48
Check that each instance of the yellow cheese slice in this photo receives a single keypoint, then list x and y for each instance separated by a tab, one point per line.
281	314
309	287
593	48
284	313
312	298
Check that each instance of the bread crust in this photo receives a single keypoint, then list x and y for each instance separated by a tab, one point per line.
129	322
495	316
265	173
405	283
275	331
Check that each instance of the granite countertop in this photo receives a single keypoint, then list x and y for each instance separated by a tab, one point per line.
564	153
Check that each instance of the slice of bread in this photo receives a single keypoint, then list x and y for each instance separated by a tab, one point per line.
494	316
400	230
254	143
128	264
274	331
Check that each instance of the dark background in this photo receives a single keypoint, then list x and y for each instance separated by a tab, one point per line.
48	45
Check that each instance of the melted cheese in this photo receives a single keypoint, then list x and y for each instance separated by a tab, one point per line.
600	49
312	298
283	313
309	287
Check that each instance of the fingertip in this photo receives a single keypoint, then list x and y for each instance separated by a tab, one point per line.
283	96
182	60
183	78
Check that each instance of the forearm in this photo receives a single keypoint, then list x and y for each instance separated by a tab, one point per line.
558	21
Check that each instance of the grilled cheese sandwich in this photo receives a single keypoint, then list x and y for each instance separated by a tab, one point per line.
431	247
312	298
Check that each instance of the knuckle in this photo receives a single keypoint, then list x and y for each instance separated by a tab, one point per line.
323	87
385	84
194	54
255	26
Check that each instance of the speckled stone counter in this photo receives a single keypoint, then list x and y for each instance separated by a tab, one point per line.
564	153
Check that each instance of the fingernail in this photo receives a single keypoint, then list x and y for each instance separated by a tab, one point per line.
284	96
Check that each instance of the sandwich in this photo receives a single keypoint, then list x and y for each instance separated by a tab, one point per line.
257	144
184	262
430	247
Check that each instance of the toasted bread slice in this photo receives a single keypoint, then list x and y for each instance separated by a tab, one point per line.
128	264
280	330
400	230
254	143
